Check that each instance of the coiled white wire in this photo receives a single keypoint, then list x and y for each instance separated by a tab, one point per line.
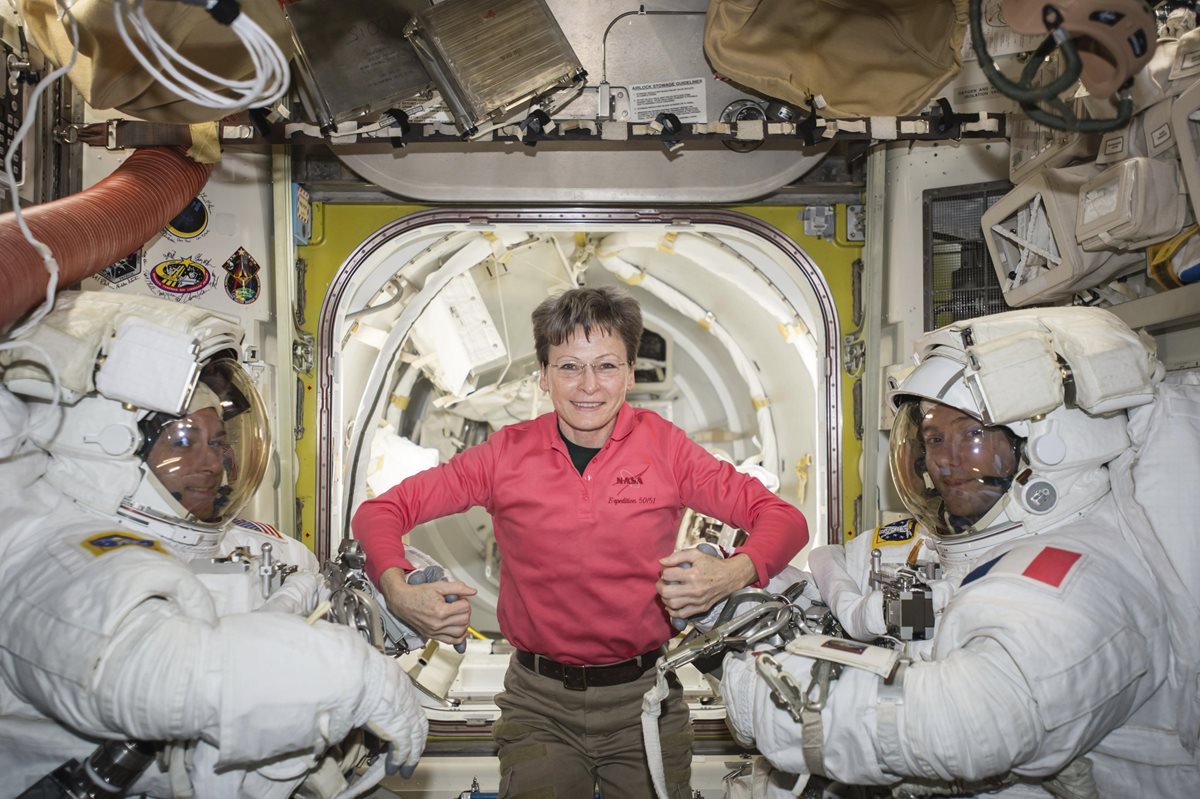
184	77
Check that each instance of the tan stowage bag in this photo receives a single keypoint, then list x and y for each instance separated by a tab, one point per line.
859	58
107	74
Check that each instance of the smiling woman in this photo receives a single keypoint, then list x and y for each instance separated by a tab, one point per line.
595	481
588	389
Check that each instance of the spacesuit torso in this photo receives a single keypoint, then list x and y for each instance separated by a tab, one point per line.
72	577
1063	658
1041	646
134	605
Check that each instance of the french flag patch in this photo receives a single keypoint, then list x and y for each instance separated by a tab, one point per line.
1049	565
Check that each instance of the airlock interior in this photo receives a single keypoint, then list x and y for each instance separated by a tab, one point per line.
427	332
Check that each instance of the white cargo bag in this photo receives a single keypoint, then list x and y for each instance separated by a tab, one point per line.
1030	236
1130	205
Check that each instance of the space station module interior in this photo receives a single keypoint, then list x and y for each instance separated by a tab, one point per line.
927	271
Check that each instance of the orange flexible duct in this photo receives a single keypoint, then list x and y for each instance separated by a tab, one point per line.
96	227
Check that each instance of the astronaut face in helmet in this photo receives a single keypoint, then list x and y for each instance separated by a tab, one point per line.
191	457
206	464
951	468
971	465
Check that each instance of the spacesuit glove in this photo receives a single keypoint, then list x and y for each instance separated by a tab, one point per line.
737	689
389	708
860	612
299	595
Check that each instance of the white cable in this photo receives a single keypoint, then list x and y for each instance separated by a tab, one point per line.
183	77
48	259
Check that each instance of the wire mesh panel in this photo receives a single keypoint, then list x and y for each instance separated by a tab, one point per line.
960	282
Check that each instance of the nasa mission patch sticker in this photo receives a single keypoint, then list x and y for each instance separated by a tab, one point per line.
180	278
112	540
242	283
121	273
897	532
192	221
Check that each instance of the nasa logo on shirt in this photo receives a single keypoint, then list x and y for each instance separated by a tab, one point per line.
625	479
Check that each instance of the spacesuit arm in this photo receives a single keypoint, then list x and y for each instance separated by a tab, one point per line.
860	612
258	686
970	716
967	717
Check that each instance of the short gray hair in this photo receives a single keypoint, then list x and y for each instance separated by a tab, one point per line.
605	309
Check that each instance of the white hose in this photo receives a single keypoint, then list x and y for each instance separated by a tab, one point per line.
651	709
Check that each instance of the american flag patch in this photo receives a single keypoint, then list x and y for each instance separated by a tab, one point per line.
258	527
1049	565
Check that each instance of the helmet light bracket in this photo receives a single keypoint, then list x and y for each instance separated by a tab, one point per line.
148	366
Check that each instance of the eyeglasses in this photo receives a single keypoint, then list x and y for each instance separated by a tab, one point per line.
573	371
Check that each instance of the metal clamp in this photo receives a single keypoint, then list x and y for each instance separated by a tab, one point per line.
907	599
785	691
823	672
354	602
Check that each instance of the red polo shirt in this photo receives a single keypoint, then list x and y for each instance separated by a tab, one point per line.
579	553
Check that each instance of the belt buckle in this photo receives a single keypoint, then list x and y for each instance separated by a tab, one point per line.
574	678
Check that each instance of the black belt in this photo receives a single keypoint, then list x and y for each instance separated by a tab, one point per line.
577	678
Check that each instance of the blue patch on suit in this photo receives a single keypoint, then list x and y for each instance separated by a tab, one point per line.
895	533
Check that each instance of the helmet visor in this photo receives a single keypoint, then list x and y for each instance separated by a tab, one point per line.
949	467
211	460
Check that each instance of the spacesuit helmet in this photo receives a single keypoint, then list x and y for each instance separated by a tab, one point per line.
146	412
202	466
1011	419
953	471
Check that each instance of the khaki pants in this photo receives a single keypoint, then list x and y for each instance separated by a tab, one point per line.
556	743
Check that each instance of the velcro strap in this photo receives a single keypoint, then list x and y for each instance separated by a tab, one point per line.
812	740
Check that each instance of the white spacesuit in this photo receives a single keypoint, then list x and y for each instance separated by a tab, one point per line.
133	604
1057	665
848	576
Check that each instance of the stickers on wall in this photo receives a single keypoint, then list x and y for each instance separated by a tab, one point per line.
242	282
121	273
192	221
180	278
